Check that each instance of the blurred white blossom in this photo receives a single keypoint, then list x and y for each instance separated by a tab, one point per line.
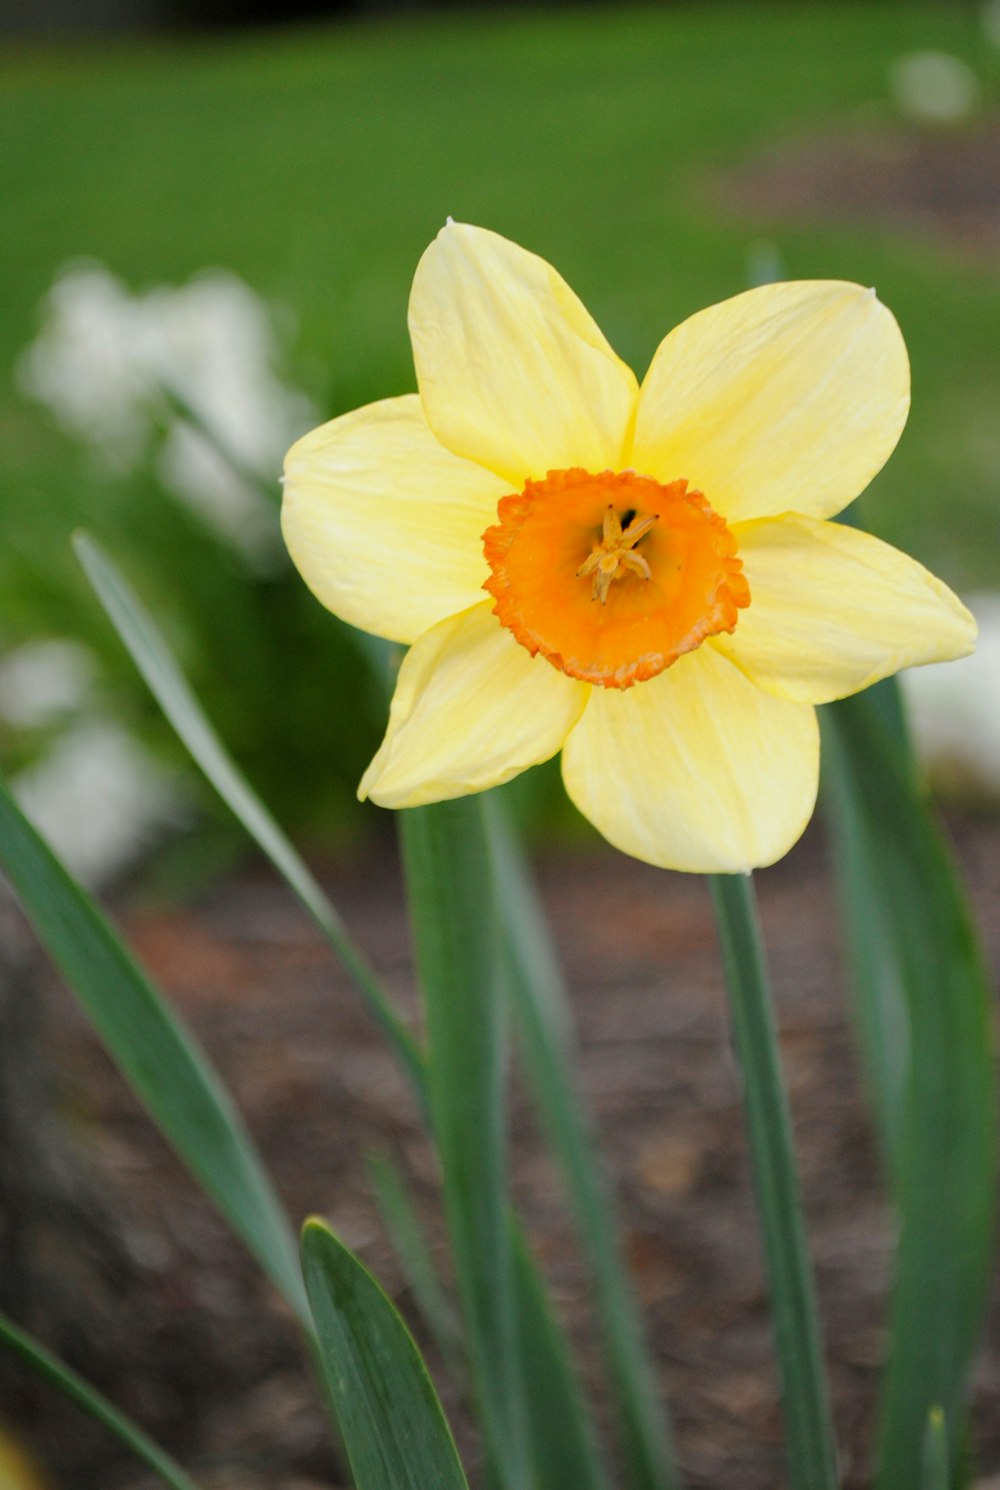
43	681
934	88
110	363
954	710
97	798
95	793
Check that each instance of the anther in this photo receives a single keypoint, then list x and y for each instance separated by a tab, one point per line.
613	558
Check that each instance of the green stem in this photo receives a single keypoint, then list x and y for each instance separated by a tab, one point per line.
808	1429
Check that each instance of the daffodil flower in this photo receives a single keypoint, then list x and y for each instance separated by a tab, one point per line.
642	577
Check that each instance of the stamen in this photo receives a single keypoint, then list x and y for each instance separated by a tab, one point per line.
637	530
613	558
612	526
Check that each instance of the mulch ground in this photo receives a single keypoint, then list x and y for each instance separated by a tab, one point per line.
157	1303
941	185
176	1323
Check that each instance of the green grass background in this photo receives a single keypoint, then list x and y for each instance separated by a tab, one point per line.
318	164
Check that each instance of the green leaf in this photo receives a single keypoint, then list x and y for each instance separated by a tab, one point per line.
941	1112
392	1424
450	889
812	1459
167	683
935	1474
544	1022
400	1218
152	656
876	976
565	1451
93	1402
156	1054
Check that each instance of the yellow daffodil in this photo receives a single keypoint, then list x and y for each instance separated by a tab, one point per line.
645	578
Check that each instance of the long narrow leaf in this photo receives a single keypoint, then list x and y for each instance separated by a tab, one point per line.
935	1467
400	1219
154	660
167	683
157	1055
541	1009
564	1449
876	976
93	1402
392	1424
944	1150
451	895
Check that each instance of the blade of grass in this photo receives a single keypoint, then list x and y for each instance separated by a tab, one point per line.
168	685
944	1166
812	1460
94	1403
154	1051
399	1216
541	1010
394	1430
451	897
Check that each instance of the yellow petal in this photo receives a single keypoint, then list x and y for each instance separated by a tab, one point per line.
471	709
696	769
832	610
513	372
788	398
385	525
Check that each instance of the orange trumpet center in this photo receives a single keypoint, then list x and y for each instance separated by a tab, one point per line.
614	576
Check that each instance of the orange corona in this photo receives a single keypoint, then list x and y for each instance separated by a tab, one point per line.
612	576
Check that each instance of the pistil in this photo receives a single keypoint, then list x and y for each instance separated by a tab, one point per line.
614	557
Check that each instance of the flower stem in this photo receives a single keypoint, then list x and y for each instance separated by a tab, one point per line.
808	1429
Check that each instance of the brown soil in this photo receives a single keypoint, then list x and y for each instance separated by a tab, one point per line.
942	184
180	1328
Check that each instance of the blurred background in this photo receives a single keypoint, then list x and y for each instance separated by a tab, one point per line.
210	215
210	223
